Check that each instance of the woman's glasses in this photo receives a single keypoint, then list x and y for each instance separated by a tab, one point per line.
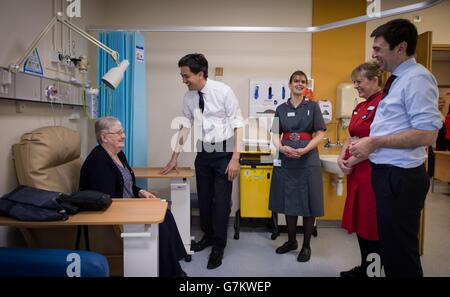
120	132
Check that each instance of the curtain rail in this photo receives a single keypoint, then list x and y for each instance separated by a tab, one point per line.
245	29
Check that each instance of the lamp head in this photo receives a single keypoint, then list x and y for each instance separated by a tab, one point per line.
114	76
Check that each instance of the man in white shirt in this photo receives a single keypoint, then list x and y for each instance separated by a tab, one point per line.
406	121
213	111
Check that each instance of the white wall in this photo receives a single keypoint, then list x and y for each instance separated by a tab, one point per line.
242	55
20	22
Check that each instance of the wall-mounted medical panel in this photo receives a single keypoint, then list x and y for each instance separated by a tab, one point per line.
28	87
64	92
7	84
75	95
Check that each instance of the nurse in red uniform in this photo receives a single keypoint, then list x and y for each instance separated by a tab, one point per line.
360	211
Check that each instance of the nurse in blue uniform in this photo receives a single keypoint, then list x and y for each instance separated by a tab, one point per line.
296	187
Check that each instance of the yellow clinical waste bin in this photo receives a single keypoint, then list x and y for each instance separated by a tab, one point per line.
254	191
254	196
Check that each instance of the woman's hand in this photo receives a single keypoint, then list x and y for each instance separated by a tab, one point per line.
289	152
350	162
344	167
145	194
301	151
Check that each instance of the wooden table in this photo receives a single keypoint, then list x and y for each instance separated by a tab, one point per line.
154	172
140	219
180	196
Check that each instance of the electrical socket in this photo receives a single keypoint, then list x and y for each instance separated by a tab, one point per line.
6	77
4	89
5	81
74	116
20	107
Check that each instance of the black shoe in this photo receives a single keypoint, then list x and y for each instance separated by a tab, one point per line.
215	258
286	247
357	271
304	255
201	245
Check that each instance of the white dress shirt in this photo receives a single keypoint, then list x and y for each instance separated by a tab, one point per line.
220	116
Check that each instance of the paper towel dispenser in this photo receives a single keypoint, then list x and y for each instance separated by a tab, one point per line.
346	100
326	109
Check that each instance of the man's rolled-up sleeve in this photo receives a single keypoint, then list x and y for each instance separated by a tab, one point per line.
233	111
421	103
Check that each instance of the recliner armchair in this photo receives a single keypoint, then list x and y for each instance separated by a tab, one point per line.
49	158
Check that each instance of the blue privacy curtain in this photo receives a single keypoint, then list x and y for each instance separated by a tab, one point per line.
128	102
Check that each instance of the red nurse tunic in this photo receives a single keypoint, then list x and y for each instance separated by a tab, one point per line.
360	206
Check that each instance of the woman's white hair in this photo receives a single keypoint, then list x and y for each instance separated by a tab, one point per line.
103	125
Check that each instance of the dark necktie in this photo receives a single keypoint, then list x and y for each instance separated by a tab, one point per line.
388	84
201	102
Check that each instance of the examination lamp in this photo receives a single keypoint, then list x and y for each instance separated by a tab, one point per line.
112	78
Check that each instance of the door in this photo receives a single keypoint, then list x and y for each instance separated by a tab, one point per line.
424	57
424	49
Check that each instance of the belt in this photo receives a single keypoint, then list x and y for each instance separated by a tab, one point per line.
296	136
381	166
217	147
374	165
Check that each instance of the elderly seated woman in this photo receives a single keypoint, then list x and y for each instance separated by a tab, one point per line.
106	170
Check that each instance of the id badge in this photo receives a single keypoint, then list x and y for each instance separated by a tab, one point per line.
291	114
277	163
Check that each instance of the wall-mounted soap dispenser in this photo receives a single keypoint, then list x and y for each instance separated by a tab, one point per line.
346	100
